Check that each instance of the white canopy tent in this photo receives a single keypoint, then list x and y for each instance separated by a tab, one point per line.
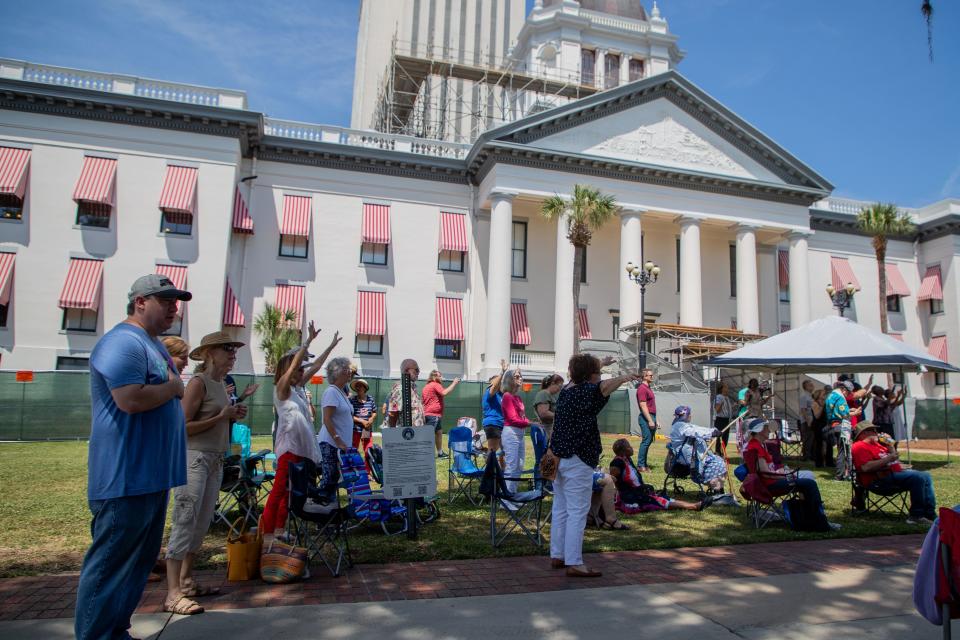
831	345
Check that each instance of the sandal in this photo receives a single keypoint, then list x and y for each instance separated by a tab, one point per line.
183	606
616	525
589	573
199	590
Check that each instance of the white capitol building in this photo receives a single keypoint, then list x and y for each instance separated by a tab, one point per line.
418	229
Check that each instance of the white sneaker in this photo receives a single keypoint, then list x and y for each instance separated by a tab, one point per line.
834	526
923	521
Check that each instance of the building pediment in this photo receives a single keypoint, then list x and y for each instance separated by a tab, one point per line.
663	121
658	133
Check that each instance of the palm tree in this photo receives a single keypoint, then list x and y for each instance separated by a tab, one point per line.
881	221
277	333
585	213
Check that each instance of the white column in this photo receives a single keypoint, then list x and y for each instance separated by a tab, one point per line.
624	69
563	300
498	282
599	67
630	251
691	296
799	280
748	303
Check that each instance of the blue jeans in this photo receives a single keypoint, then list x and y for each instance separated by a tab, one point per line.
126	533
923	504
646	432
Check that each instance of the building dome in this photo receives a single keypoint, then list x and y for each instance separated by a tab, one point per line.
624	8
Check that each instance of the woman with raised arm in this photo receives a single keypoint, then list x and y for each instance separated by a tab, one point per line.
294	437
576	441
493	409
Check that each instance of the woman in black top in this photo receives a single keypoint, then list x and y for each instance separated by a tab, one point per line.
576	441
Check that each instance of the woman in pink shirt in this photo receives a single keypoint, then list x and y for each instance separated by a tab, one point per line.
515	423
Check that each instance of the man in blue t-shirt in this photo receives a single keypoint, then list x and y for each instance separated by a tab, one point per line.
137	454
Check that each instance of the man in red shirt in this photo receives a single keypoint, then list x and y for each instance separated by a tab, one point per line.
647	419
879	469
433	394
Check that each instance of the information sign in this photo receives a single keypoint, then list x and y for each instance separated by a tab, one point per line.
409	463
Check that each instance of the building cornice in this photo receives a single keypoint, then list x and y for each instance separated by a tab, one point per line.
821	220
70	102
350	158
519	155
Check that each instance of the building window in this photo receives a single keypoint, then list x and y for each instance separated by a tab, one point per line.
79	320
70	363
371	253
611	71
615	320
893	304
176	328
784	293
678	263
93	214
176	223
940	378
582	251
897	377
450	261
294	246
936	306
369	345
519	269
733	271
446	349
518	347
635	69
11	207
588	62
3	315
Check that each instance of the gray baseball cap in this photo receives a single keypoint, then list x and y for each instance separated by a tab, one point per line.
156	285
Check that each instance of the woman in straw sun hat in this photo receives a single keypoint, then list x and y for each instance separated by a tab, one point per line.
208	412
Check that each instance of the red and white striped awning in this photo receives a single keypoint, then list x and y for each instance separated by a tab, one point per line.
296	216
584	324
97	182
841	274
179	190
931	288
232	313
242	222
938	347
178	276
13	170
376	224
453	232
519	327
81	290
783	268
7	261
896	285
371	313
290	297
449	319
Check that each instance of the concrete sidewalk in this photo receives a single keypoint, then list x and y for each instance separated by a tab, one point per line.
872	603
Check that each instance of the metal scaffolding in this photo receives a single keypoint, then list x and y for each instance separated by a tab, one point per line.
437	92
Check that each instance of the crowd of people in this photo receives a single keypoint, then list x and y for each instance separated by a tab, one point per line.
153	435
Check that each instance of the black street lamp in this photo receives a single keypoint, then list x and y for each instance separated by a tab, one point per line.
841	298
647	274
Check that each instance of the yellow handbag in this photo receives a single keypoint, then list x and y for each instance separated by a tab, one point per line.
243	553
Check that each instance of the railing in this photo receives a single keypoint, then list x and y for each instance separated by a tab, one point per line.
123	84
607	20
849	205
536	360
364	138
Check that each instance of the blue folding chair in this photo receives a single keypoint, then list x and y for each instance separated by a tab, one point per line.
463	472
538	438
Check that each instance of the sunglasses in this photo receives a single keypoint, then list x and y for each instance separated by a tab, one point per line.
229	348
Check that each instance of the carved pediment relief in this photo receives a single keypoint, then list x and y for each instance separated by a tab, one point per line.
658	134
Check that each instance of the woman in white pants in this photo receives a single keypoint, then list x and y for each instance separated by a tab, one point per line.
576	441
515	423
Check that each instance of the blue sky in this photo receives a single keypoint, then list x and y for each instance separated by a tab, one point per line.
845	86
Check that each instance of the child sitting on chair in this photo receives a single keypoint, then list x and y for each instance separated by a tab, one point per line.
633	496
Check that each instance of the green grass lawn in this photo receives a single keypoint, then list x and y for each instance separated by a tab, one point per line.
46	521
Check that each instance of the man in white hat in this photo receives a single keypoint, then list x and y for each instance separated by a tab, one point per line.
137	454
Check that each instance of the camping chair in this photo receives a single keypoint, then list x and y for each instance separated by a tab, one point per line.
463	471
948	568
538	438
314	524
677	471
523	510
241	491
766	505
864	501
791	443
